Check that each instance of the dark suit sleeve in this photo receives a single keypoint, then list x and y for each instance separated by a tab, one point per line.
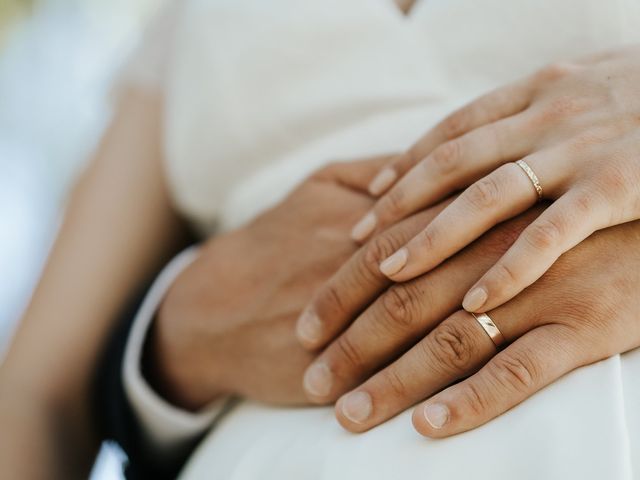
114	416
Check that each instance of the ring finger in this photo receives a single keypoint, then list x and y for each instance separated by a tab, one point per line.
503	194
456	348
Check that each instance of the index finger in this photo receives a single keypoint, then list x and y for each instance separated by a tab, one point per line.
356	284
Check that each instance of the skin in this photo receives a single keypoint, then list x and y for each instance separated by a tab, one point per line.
118	229
108	245
220	334
575	124
405	6
400	351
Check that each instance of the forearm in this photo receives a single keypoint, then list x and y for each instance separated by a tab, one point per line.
117	229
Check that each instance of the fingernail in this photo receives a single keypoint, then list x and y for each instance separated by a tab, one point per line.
382	181
364	227
309	326
318	380
474	300
357	406
436	414
395	262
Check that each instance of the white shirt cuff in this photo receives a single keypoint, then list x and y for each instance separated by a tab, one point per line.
165	427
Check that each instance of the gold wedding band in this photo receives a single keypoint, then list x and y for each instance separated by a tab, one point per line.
487	324
532	176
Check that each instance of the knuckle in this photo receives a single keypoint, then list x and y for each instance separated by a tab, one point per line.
553	71
484	194
502	99
456	124
544	234
399	305
453	347
377	250
446	157
427	238
348	352
365	272
332	299
583	204
515	372
475	398
503	276
392	205
395	382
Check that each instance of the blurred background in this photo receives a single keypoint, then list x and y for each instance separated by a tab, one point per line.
58	59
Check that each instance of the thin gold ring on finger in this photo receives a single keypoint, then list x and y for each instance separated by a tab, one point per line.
532	176
492	330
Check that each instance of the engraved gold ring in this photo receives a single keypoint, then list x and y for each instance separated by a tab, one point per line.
532	176
492	330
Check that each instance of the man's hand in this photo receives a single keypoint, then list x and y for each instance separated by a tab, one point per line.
400	351
227	324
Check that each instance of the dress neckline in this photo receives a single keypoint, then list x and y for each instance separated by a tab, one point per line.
405	7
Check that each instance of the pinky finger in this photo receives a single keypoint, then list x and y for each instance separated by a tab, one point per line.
535	360
568	221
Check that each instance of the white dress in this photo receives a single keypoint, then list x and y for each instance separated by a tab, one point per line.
261	92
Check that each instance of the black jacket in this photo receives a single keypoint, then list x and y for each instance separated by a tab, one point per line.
114	416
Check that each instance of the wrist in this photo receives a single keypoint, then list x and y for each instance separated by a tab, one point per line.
174	372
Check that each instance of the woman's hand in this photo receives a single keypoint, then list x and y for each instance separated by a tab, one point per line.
399	352
119	227
576	125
